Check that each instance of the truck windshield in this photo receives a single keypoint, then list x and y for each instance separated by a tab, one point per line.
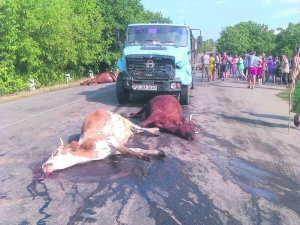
157	35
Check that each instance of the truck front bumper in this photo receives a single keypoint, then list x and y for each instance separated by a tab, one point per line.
152	85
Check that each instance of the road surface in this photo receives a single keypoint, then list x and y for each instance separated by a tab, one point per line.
243	168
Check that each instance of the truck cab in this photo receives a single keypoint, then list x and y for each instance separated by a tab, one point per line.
159	58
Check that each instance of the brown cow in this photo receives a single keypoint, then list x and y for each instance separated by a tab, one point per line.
165	112
104	77
103	133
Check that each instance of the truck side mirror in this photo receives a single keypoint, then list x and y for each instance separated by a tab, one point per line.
199	41
117	39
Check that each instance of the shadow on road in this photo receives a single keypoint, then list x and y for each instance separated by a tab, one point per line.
107	95
253	121
266	116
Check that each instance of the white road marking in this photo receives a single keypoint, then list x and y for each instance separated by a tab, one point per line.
30	117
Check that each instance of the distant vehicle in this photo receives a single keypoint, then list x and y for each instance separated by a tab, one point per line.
158	58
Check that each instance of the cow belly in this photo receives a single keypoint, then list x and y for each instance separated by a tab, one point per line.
103	150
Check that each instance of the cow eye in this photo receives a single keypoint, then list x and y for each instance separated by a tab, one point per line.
55	152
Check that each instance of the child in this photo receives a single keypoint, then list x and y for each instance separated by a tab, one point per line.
260	69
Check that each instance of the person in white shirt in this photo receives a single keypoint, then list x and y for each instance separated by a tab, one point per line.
205	63
218	63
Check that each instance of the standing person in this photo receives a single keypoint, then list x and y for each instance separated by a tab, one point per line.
276	69
240	68
264	59
295	68
245	66
285	70
211	67
260	69
218	63
296	90
91	74
270	67
266	71
252	69
230	64
224	66
234	65
205	63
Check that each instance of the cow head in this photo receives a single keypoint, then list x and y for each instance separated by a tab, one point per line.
187	129
62	158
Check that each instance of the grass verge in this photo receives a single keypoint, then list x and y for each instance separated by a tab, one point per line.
285	95
25	94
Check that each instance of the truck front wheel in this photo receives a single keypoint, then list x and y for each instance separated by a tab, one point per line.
122	93
184	95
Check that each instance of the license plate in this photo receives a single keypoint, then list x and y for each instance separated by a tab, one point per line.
146	87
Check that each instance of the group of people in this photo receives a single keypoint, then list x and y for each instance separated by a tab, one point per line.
256	69
251	68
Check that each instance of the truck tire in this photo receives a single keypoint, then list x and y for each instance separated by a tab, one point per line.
184	95
122	93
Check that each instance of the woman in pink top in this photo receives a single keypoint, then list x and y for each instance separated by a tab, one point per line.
260	70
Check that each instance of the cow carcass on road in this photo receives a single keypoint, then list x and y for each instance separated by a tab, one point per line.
165	112
103	133
105	77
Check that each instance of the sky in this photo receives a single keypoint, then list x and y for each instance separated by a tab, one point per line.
211	16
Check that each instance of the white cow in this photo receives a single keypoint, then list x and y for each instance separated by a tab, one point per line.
103	134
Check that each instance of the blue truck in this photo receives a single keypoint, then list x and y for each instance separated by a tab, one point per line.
158	58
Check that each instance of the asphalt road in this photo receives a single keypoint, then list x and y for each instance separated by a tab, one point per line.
243	168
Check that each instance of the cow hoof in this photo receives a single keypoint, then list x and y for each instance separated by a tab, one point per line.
157	133
161	153
146	158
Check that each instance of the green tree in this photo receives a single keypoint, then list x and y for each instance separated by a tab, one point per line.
245	36
46	39
207	45
287	40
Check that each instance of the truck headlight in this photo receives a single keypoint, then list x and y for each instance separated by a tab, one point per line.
175	86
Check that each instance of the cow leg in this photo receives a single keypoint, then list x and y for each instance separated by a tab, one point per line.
153	117
159	153
138	129
127	151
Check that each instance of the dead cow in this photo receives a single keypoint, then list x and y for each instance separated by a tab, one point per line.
103	133
165	112
104	77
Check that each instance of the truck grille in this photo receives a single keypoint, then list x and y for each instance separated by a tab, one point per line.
151	67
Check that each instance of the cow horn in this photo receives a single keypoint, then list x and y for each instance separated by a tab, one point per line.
61	142
191	117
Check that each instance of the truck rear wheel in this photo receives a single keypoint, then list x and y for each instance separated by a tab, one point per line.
184	95
122	93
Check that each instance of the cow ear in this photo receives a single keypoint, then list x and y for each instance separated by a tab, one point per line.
74	145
